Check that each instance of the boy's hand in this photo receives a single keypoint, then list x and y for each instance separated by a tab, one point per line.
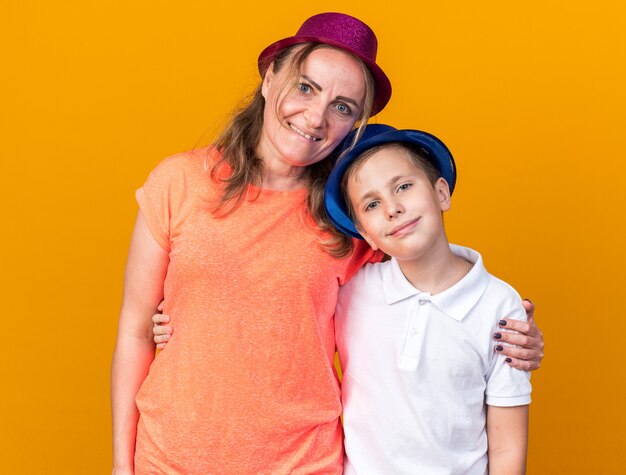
527	338
160	329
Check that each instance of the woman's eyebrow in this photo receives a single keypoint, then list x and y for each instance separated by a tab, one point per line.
319	88
313	83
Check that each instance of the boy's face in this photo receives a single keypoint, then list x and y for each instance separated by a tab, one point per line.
397	208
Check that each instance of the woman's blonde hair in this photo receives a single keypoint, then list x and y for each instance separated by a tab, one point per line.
238	143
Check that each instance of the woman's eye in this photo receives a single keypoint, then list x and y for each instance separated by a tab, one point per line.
304	88
343	108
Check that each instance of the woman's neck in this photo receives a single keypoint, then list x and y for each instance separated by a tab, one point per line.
283	180
281	176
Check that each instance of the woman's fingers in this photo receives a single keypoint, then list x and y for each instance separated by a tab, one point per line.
527	328
518	339
524	341
524	365
528	306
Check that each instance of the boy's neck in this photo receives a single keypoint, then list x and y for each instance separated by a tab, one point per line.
436	270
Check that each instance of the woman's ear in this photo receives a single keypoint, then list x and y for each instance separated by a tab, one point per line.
443	194
267	79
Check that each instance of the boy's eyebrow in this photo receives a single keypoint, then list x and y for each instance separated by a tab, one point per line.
319	88
390	182
365	197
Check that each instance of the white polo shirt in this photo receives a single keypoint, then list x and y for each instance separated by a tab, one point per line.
418	370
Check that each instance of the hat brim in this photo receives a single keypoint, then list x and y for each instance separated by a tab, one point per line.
382	85
438	153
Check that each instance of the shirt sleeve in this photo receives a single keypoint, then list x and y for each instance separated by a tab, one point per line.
161	196
506	386
362	254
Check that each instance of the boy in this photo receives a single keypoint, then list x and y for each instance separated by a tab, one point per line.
413	404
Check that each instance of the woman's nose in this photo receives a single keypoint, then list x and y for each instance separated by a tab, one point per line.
315	114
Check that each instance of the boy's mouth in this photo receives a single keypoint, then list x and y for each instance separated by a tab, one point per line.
404	228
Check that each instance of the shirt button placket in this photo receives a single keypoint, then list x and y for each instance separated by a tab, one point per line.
409	359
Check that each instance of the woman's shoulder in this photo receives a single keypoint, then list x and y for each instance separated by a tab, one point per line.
180	178
193	161
184	168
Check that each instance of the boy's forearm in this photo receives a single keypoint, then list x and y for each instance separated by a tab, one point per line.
507	463
507	432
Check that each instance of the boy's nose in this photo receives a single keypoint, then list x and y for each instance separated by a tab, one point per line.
394	209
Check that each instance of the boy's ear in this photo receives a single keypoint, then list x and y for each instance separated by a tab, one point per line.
366	237
269	75
443	194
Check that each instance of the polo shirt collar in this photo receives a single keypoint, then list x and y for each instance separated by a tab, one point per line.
456	301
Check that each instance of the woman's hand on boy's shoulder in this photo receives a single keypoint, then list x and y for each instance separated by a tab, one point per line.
527	338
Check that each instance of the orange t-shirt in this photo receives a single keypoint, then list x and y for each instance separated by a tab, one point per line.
246	383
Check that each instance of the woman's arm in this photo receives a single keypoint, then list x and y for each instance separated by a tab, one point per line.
527	338
507	435
134	351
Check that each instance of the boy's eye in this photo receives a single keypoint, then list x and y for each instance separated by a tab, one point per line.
343	108
371	205
404	187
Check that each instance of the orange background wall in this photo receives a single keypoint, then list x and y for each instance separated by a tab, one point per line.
529	96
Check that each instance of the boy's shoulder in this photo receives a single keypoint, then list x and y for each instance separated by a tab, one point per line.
495	283
501	287
497	296
371	274
501	300
478	292
375	272
366	286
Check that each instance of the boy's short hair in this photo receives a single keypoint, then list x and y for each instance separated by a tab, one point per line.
418	143
418	155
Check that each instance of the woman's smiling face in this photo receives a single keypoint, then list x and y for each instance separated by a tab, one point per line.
303	124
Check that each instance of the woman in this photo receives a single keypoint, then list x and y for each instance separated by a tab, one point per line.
234	237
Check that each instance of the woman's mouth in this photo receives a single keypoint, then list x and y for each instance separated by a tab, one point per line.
303	133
